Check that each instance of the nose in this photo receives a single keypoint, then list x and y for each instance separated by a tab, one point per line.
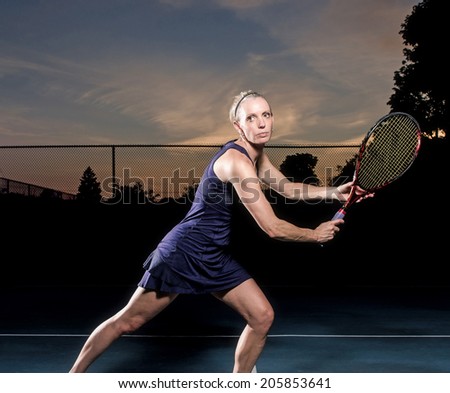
261	123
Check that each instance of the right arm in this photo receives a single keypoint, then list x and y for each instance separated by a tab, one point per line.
233	166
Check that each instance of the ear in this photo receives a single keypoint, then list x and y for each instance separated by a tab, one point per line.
237	127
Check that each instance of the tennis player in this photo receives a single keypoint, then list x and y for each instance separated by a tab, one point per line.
194	258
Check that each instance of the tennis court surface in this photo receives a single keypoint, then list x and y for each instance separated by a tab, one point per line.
316	330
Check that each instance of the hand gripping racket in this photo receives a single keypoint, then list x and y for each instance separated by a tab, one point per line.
386	153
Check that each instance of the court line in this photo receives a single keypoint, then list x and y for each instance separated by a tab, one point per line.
52	335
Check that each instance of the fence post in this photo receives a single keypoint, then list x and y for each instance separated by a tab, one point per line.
113	151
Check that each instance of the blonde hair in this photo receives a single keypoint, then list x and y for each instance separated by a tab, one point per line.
237	100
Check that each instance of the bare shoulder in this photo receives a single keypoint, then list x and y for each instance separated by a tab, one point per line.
231	164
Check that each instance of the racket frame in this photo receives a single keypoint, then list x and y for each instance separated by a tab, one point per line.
354	197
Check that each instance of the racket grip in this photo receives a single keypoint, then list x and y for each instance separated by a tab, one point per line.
339	214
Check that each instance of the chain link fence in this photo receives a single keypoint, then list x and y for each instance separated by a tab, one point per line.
164	170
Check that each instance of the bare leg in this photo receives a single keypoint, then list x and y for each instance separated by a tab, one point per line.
249	301
143	306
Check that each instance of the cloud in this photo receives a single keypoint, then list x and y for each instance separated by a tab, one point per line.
326	67
341	62
238	5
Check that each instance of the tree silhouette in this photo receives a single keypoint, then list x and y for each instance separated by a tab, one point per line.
345	172
422	85
300	168
133	194
89	189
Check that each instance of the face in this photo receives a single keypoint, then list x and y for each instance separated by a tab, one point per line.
255	120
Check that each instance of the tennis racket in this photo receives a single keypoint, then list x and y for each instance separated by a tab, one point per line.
386	153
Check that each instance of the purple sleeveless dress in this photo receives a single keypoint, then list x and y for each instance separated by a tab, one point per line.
194	257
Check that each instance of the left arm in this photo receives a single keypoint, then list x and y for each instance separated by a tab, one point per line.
273	178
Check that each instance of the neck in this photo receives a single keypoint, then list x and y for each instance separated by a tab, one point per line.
254	150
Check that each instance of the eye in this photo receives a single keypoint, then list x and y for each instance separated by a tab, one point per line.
267	115
251	118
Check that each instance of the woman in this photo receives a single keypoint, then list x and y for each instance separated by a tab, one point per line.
193	257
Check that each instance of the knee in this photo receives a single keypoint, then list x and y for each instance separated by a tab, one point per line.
264	320
129	325
269	317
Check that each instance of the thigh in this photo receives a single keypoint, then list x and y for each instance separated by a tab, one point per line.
146	304
247	299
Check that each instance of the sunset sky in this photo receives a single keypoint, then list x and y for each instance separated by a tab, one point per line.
165	71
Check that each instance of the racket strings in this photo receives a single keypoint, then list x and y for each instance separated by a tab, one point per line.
388	152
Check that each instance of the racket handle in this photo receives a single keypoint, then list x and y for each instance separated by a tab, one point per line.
339	214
